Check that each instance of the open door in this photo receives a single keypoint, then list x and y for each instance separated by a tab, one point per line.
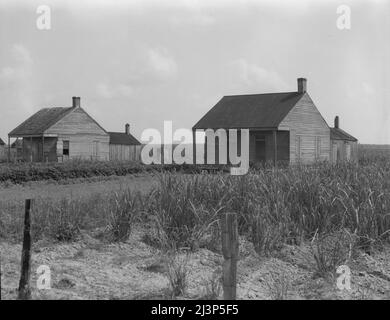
260	150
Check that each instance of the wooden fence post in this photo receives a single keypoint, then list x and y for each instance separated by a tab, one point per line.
230	254
24	283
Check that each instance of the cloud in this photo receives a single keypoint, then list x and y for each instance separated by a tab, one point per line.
244	75
19	69
161	64
21	54
368	88
192	17
16	80
148	69
108	91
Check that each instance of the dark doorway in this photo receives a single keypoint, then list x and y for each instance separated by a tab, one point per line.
260	149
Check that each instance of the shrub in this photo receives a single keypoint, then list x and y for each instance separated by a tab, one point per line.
179	219
178	275
331	251
278	285
66	219
213	287
123	210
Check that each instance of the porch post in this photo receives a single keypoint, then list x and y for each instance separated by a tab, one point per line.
194	146
227	147
23	149
31	151
9	148
275	148
43	148
205	148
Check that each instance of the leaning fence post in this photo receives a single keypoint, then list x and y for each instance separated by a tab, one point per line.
230	255
24	283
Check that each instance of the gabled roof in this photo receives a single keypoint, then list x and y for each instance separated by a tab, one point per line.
338	134
250	111
40	121
123	138
2	143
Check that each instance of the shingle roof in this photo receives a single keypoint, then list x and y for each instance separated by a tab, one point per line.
338	134
2	143
123	138
40	121
250	111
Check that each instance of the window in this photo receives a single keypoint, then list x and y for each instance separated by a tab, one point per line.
65	147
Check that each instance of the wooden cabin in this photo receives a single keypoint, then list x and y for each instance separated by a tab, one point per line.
344	147
124	146
283	127
61	134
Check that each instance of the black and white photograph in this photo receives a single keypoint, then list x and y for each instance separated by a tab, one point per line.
194	153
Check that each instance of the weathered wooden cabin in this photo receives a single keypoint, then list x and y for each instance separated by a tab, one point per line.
344	147
282	126
124	146
60	134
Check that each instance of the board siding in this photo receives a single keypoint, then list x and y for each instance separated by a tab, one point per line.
306	122
87	140
83	147
340	146
119	152
76	122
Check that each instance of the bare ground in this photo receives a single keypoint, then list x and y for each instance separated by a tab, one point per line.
93	269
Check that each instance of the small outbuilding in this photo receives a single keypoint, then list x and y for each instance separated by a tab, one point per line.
344	147
124	146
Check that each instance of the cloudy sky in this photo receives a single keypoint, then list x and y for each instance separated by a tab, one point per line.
146	61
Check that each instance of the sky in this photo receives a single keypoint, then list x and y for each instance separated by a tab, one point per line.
144	62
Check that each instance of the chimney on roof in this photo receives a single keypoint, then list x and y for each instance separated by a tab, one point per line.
336	122
302	85
76	102
127	128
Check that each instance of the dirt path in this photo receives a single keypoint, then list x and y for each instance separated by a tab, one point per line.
91	269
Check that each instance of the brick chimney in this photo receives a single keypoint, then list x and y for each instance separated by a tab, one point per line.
76	102
336	122
302	85
127	128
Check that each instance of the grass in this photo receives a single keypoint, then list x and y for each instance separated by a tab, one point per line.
278	286
337	208
123	212
331	251
17	173
273	207
213	286
178	272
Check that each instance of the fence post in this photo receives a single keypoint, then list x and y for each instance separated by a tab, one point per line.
24	283
230	254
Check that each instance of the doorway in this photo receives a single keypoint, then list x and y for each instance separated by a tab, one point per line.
260	150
